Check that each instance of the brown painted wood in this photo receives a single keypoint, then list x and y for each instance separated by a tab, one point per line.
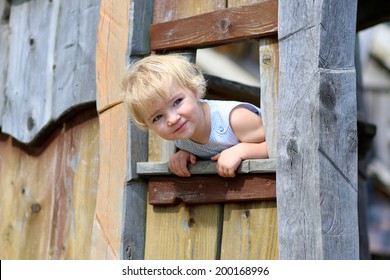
218	27
171	190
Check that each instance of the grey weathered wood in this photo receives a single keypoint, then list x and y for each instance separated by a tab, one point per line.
4	33
134	224
317	135
51	67
269	69
74	63
208	167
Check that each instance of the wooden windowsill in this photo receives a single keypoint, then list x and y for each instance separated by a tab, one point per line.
256	181
253	166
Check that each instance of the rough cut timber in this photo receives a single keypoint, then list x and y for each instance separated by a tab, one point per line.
51	66
171	190
317	135
218	27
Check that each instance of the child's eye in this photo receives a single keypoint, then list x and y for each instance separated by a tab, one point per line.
157	118
177	102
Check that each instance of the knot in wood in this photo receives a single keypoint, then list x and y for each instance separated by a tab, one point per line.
224	25
246	213
30	123
266	59
36	208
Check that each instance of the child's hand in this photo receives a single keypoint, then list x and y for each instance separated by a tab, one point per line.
227	163
178	163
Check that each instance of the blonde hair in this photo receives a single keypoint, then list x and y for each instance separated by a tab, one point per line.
146	80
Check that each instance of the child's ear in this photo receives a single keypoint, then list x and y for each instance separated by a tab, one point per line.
197	94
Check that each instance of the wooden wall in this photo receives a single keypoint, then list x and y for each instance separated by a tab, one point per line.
48	192
49	63
49	155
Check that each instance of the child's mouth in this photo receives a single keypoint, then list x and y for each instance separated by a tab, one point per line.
181	127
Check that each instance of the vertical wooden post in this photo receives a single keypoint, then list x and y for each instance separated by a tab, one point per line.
317	135
133	241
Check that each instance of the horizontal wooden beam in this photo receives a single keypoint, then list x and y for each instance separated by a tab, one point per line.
254	166
171	190
218	27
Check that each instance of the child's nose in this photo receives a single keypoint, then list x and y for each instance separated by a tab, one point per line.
172	119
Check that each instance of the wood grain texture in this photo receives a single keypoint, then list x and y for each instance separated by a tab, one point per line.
183	232
4	49
171	190
111	51
317	137
48	193
269	73
168	10
250	231
51	66
208	167
109	213
218	27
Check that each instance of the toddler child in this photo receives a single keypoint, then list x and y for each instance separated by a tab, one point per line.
165	93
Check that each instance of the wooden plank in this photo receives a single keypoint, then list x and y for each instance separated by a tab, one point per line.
218	27
75	188
171	190
208	167
183	232
73	62
250	231
64	38
4	45
111	51
269	73
133	241
317	137
121	41
48	193
168	10
109	213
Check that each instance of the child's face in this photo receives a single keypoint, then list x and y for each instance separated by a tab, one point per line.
178	116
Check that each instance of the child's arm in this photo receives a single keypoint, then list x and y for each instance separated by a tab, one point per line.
249	129
178	163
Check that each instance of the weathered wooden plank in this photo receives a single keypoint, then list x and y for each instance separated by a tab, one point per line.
51	64
75	188
317	138
168	10
48	193
112	51
4	33
183	232
171	190
250	231
133	241
121	41
208	167
109	213
216	27
269	73
73	62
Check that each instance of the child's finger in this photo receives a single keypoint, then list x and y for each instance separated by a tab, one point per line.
216	157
